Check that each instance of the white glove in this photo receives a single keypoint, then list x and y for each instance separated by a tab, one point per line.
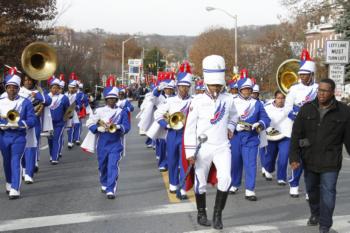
270	129
168	126
118	126
12	125
162	85
240	127
101	129
255	125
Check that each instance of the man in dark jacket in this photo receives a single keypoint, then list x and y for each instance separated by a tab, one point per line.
319	132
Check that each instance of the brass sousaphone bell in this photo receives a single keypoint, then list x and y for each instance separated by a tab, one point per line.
287	74
39	60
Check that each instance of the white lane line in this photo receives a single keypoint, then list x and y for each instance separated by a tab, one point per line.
340	223
44	147
57	220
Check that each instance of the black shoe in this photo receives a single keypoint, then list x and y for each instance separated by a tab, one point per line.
163	169
77	143
54	162
60	155
69	147
294	195
251	198
14	197
220	202
183	197
324	229
268	179
110	196
36	169
103	191
7	192
202	213
172	191
313	221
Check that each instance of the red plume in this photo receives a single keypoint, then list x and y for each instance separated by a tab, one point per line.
73	76
50	79
61	77
244	73
185	67
110	82
305	56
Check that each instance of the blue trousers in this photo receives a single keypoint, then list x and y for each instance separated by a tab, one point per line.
55	142
31	154
77	131
322	190
262	154
12	149
108	165
161	153
243	156
174	152
278	150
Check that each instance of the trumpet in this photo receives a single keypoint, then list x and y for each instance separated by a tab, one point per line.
248	126
111	128
175	120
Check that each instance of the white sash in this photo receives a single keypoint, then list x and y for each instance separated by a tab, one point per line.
89	143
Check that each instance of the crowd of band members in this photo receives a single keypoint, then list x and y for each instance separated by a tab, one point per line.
233	108
38	113
235	121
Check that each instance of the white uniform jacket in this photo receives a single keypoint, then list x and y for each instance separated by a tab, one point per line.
212	118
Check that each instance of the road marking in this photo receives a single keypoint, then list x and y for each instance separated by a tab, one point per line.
44	147
340	223
65	219
171	196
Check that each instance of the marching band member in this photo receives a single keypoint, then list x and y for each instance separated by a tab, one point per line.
245	144
279	123
40	100
58	107
299	94
13	132
73	123
233	87
214	115
199	88
175	104
160	94
124	103
109	144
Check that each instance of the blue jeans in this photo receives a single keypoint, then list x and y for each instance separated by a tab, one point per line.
321	188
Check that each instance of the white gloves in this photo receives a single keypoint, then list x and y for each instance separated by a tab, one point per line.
255	125
101	129
12	125
269	129
162	85
240	127
118	126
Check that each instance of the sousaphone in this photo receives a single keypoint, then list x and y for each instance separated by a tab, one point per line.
287	74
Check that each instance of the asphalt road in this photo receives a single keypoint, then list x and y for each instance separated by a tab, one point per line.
67	198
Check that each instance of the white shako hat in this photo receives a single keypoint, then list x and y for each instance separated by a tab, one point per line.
214	70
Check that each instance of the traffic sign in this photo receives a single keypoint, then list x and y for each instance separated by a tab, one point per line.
337	51
336	72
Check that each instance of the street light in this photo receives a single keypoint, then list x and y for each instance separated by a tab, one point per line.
130	38
210	8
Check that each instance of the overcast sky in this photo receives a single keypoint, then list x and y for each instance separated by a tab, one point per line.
165	17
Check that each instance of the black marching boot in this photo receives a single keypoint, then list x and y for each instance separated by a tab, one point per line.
202	213
220	202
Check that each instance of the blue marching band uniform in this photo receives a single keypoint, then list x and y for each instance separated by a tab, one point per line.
108	125
109	144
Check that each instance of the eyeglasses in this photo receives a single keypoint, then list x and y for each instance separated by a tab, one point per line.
324	91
